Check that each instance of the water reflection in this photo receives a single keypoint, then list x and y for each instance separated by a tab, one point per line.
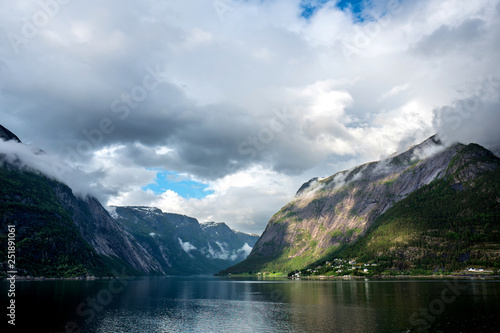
209	304
216	305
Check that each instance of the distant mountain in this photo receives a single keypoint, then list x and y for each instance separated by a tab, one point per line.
428	207
228	238
182	245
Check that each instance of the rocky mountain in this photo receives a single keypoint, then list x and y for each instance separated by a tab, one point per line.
339	216
181	244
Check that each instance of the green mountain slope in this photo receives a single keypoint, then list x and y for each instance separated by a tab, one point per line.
449	224
47	241
421	197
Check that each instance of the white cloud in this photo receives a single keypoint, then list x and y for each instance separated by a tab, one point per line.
262	54
197	37
186	246
246	248
33	159
224	254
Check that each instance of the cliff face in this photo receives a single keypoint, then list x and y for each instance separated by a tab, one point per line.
328	214
181	244
103	233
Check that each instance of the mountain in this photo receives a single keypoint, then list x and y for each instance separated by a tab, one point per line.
425	205
221	233
59	234
181	244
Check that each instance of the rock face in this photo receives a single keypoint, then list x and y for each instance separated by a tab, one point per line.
181	244
330	213
103	233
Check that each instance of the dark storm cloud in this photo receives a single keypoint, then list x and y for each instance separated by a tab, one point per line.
86	88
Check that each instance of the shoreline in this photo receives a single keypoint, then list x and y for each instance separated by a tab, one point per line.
392	277
42	278
320	277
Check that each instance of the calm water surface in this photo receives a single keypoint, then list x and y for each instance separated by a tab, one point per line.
211	304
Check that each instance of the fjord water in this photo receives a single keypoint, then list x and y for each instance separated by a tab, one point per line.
213	304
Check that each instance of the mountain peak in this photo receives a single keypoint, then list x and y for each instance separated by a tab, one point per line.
306	185
7	135
212	224
146	209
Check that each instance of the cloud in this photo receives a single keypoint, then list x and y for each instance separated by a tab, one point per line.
243	199
475	118
224	254
253	92
449	39
394	91
246	249
186	246
35	160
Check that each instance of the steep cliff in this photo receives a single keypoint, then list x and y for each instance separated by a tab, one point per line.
329	214
103	233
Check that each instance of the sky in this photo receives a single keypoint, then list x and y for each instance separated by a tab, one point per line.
221	109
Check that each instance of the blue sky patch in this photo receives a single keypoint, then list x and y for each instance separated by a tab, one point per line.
356	6
311	6
181	184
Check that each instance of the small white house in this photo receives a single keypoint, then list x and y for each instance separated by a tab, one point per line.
471	269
